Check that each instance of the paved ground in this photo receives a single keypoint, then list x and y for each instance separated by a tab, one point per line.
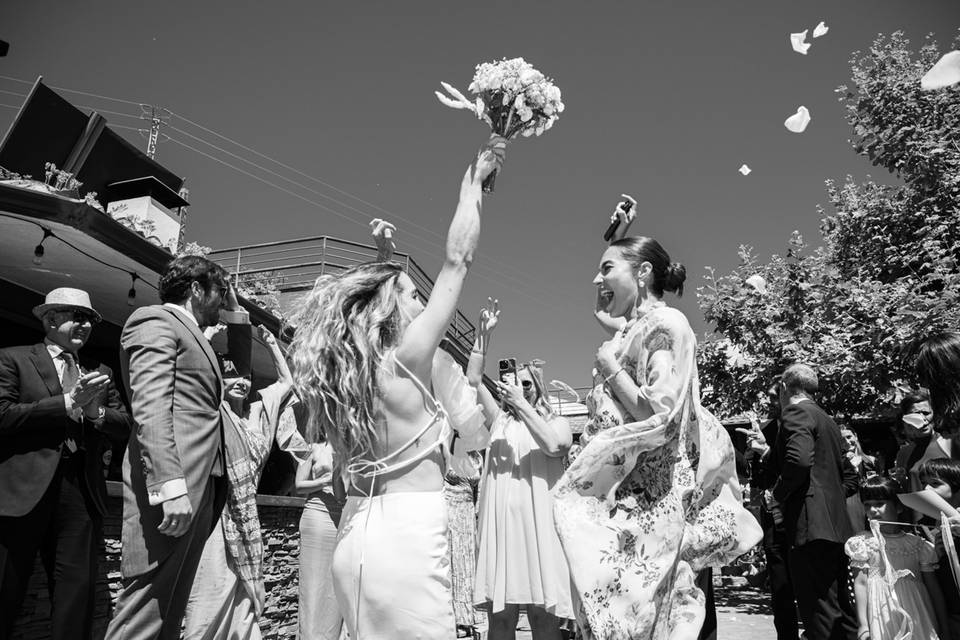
743	613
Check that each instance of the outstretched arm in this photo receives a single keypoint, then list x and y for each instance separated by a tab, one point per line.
421	338
489	316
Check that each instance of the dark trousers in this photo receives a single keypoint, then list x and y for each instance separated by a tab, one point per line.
819	572
776	549
709	629
66	531
152	605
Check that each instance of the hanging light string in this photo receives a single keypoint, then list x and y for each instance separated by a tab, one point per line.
39	251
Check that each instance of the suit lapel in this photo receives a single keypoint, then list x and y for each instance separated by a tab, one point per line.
47	370
204	345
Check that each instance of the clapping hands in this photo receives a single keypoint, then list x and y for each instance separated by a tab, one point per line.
755	438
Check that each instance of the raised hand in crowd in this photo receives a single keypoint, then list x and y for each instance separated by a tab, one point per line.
755	438
382	232
624	213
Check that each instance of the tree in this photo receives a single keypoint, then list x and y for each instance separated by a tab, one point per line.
886	273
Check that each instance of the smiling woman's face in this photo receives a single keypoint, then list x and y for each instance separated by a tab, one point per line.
616	284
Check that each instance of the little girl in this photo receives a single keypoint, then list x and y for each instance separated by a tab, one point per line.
898	596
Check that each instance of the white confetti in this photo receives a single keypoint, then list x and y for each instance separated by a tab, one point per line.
943	74
798	122
797	42
744	169
820	30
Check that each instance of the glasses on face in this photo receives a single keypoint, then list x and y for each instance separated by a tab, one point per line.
526	384
80	317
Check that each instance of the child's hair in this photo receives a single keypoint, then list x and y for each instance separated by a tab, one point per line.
942	469
877	488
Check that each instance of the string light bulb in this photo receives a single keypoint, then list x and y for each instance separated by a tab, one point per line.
132	293
38	250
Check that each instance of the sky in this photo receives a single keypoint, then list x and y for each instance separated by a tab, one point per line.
664	100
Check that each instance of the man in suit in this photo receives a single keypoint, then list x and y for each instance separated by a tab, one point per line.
809	496
173	471
776	547
56	409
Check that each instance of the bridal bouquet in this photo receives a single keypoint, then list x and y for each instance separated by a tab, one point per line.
512	97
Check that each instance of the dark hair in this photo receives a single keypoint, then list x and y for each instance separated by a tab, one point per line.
800	377
667	276
912	399
942	469
938	368
175	282
879	488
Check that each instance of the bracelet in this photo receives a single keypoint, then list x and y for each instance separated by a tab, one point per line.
612	375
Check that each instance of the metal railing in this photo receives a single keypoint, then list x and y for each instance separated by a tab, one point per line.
294	265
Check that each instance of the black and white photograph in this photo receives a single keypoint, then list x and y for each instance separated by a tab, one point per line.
500	321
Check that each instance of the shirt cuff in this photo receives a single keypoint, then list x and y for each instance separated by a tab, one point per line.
167	491
68	403
240	316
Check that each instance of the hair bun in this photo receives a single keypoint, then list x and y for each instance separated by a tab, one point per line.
674	278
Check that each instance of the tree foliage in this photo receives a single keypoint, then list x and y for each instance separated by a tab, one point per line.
886	272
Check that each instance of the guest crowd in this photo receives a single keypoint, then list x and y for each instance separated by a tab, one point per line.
431	498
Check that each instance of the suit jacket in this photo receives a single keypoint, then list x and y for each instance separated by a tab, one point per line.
814	480
175	388
34	425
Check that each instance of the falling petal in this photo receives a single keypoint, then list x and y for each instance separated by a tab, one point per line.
758	283
560	385
797	42
798	122
744	169
943	74
820	30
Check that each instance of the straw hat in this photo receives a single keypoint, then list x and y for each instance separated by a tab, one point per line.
66	298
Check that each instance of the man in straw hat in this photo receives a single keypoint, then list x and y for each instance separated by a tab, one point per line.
56	407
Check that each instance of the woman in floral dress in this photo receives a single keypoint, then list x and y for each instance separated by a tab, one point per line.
651	497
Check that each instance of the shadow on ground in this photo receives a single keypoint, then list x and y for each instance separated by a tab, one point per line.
743	599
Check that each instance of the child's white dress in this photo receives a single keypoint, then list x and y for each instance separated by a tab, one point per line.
898	606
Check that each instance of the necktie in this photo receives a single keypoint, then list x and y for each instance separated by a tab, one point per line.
71	374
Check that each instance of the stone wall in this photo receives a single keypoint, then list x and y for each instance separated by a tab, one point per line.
280	522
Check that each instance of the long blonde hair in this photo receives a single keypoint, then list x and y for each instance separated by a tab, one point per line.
344	327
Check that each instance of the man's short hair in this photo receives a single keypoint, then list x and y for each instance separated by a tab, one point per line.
175	282
912	399
800	377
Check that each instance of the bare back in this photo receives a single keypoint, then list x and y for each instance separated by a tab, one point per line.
409	425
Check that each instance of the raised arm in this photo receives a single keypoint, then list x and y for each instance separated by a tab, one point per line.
489	316
382	232
421	338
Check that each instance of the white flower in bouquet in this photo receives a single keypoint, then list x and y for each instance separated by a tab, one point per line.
511	96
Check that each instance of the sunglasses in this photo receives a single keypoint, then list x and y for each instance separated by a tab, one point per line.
526	384
80	317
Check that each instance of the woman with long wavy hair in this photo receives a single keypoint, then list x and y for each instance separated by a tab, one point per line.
938	368
366	364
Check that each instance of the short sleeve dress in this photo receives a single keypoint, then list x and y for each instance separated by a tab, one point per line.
898	605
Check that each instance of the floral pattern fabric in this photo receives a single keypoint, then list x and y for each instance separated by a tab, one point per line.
651	499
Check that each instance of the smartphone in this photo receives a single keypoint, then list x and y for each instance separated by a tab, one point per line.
508	370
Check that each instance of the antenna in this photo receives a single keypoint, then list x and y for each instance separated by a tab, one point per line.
158	117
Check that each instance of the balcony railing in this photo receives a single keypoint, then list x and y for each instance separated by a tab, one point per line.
292	266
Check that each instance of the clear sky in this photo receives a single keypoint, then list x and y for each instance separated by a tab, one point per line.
665	100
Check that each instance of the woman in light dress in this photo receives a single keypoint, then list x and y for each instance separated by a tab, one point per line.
652	496
520	563
367	365
228	593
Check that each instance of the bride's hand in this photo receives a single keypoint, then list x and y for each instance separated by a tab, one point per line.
607	358
489	159
624	215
